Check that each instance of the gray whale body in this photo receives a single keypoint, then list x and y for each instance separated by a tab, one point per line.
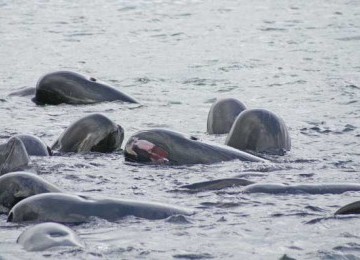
259	130
73	88
351	208
222	115
161	146
45	236
67	208
92	133
277	188
216	184
13	156
16	186
34	145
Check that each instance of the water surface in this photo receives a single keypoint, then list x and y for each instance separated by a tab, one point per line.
297	59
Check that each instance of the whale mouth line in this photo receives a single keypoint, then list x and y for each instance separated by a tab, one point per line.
145	151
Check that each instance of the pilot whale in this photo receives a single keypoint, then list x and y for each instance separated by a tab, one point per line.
45	236
222	115
261	131
92	133
16	186
68	208
74	88
13	156
162	146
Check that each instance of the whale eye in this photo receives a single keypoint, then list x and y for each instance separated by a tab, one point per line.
92	79
194	138
57	234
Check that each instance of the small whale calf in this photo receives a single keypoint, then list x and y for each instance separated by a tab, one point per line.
222	115
67	208
92	133
161	146
45	236
73	88
261	131
13	156
16	186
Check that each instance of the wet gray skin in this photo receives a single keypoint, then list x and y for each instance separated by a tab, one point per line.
48	235
13	156
34	145
217	184
93	133
161	146
352	208
259	130
278	188
74	88
222	115
16	186
66	208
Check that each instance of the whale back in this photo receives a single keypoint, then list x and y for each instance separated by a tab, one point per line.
351	208
259	130
93	133
279	188
67	208
177	149
16	186
34	145
222	115
74	88
13	156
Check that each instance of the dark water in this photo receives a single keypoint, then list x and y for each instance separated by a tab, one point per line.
299	59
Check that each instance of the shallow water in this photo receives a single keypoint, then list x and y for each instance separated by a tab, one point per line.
297	59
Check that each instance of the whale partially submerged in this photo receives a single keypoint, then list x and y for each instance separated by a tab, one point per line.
68	208
34	145
16	186
74	88
351	208
162	146
47	236
92	133
261	131
222	115
324	188
13	156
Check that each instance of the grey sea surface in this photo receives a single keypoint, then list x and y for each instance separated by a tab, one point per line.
299	59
